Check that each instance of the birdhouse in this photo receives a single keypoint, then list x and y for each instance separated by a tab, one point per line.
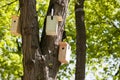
52	24
15	29
64	52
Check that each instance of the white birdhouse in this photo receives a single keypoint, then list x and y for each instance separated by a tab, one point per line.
15	29
64	52
52	24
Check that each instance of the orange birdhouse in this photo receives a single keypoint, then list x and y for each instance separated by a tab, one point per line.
52	24
15	29
64	52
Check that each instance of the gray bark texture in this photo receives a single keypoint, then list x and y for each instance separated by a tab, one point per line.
40	59
80	41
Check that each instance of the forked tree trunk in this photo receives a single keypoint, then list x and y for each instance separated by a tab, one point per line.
80	41
40	59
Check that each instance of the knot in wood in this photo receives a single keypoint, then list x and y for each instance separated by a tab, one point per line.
60	3
79	9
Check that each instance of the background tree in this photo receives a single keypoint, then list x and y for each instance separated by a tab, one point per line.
102	24
102	40
80	41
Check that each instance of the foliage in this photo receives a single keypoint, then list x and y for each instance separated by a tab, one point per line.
103	39
10	56
102	21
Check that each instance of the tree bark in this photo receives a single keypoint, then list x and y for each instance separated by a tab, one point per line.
30	37
50	44
80	41
40	61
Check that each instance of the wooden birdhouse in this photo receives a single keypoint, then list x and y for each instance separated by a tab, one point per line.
15	29
64	52
52	24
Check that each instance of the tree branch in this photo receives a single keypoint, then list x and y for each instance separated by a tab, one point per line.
8	4
108	21
117	71
112	23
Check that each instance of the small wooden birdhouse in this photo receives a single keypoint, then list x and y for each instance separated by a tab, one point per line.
52	24
64	52
15	29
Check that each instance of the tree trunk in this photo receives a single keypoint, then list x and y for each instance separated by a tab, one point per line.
40	61
80	41
50	44
30	37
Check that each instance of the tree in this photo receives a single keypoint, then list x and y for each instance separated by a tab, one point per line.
80	41
102	27
40	60
102	38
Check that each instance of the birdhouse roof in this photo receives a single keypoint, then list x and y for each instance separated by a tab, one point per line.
15	17
63	43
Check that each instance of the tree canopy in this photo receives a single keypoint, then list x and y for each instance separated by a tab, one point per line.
102	21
